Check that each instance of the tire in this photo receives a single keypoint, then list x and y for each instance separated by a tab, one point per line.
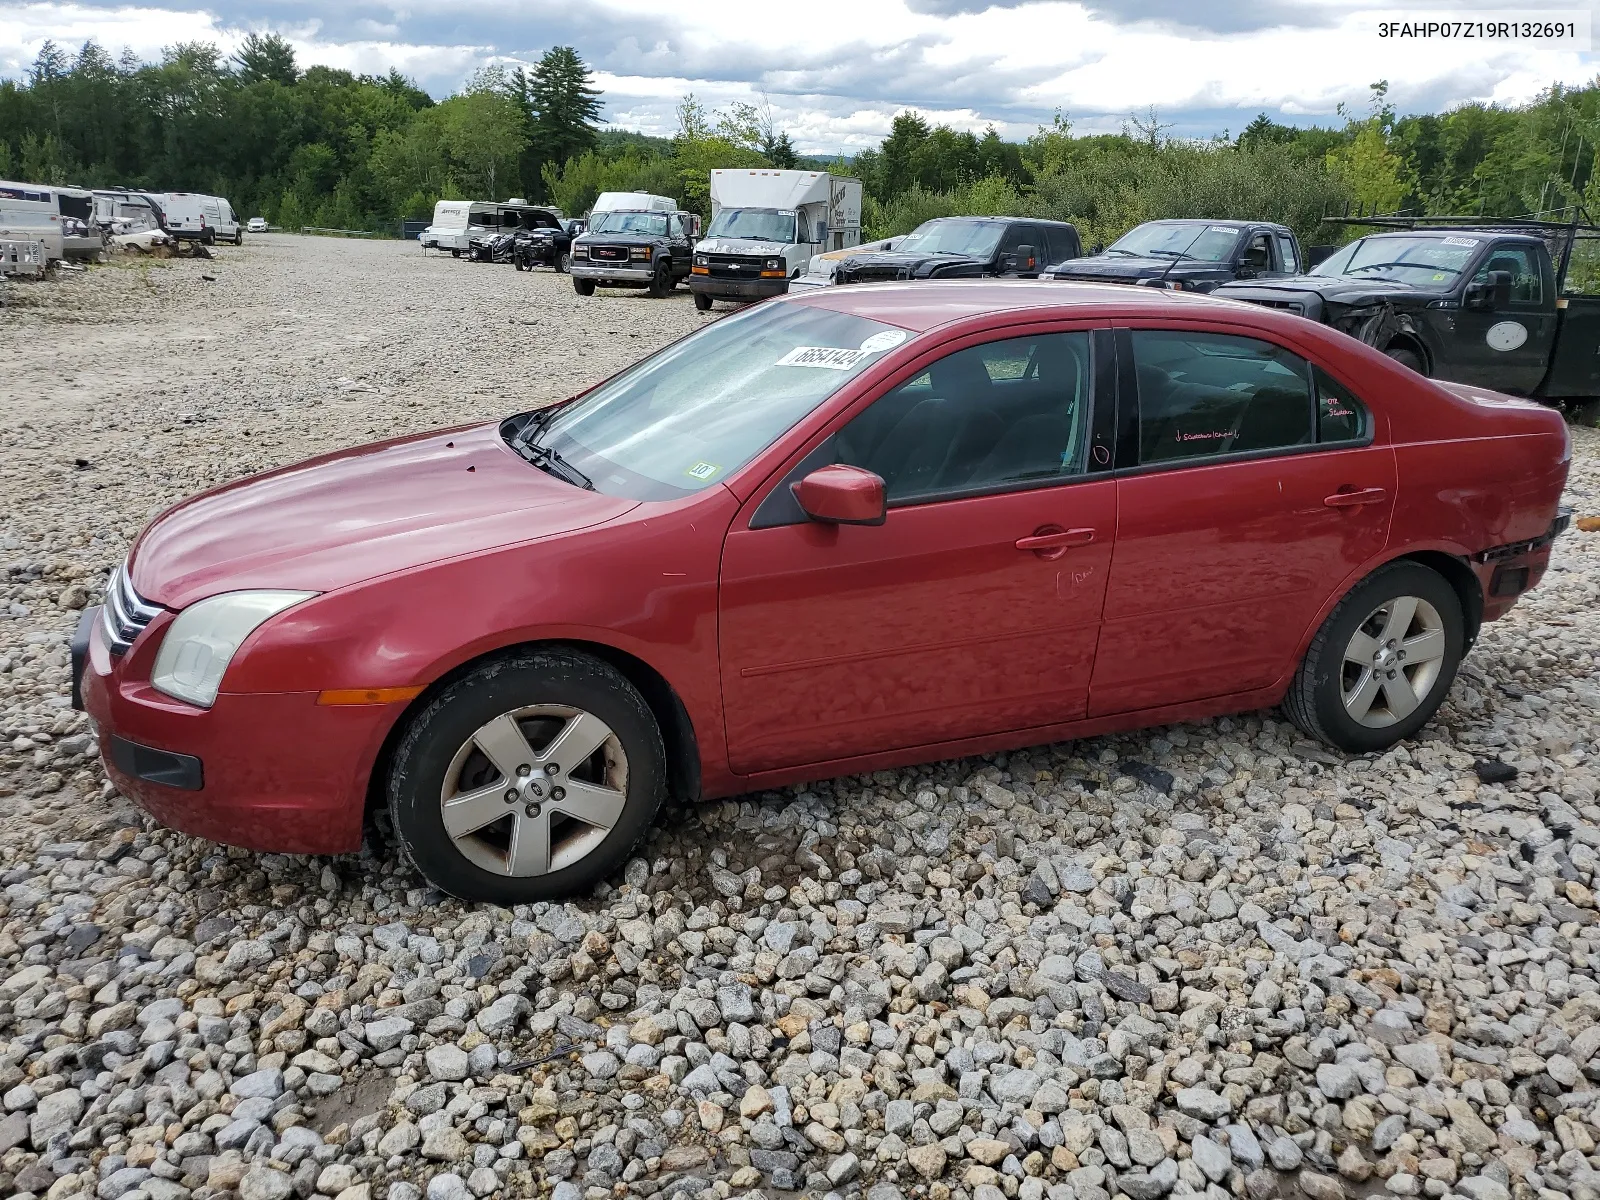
561	263
521	704
518	262
1407	358
455	253
238	238
702	302
584	287
1335	677
661	279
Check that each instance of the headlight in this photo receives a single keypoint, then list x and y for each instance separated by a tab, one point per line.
580	252
702	260
639	252
202	641
772	264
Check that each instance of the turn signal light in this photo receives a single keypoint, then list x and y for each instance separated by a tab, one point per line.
699	270
389	695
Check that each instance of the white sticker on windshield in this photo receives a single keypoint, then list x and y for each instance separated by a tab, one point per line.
835	358
887	340
1457	241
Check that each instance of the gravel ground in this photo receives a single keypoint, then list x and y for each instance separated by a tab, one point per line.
1210	958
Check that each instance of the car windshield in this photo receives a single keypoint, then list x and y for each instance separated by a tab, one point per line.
975	239
1178	239
631	222
1422	261
757	224
691	415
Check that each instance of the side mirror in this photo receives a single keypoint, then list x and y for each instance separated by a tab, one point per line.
1023	260
1492	293
843	495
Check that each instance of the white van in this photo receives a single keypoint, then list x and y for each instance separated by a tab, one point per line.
449	228
631	202
186	216
221	222
28	212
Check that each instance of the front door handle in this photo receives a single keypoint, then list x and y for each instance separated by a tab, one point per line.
1356	496
1051	541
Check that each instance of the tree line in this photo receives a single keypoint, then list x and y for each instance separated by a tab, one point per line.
319	146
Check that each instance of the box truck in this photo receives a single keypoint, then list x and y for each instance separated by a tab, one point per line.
765	226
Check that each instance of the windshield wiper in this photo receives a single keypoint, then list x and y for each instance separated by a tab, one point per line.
1129	253
546	458
1176	254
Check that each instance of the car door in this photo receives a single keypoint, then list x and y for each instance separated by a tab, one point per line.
1254	484
974	608
1016	237
678	237
1507	347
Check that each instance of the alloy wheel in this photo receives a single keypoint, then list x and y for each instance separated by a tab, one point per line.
534	790
1393	661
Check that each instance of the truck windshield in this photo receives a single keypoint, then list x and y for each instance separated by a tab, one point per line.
654	224
757	224
1178	239
1424	261
689	416
975	239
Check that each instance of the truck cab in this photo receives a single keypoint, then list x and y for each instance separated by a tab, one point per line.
1193	256
1484	305
765	227
633	249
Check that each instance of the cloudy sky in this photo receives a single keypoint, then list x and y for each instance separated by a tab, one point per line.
836	71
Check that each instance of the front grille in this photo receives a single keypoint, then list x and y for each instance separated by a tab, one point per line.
733	266
126	613
873	273
608	253
1294	306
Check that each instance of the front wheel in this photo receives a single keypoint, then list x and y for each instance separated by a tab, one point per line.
561	263
1407	358
519	263
661	279
1380	666
455	254
530	778
702	302
584	287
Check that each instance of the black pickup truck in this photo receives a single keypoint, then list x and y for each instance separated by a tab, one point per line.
966	248
1193	256
1511	305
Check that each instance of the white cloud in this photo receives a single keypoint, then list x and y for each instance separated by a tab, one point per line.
836	71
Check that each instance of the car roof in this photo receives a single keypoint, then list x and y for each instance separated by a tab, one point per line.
1227	222
1000	220
1481	233
926	304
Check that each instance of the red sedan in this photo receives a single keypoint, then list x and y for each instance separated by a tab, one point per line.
833	533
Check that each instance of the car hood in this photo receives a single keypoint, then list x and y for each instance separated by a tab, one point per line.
358	514
622	239
730	245
1116	266
907	260
1342	289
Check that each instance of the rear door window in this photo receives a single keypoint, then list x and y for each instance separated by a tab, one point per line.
1288	254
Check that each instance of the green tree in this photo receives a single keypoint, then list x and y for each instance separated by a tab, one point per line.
266	57
563	105
483	134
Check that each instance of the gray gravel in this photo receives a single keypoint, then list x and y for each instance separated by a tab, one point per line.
1210	958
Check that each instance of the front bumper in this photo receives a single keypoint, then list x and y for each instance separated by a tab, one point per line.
616	274
737	289
274	772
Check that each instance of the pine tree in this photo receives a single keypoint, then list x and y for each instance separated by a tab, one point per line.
563	105
266	57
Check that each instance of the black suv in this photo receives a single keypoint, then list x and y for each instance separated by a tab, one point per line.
633	249
967	248
1193	256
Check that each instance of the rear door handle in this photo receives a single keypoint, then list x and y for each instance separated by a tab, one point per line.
1356	496
1052	537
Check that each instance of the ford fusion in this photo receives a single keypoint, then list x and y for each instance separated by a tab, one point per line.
837	532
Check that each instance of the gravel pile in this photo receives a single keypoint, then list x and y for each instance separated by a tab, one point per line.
1211	958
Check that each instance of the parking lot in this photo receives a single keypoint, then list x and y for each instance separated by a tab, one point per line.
970	979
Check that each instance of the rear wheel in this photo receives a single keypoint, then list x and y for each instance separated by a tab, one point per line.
1407	357
1382	662
530	778
702	302
456	253
584	287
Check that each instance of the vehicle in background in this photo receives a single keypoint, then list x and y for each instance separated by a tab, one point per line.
764	555
966	248
136	220
186	217
449	228
1510	305
81	233
498	232
220	218
257	225
1193	256
28	213
819	271
547	245
766	225
632	202
623	248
